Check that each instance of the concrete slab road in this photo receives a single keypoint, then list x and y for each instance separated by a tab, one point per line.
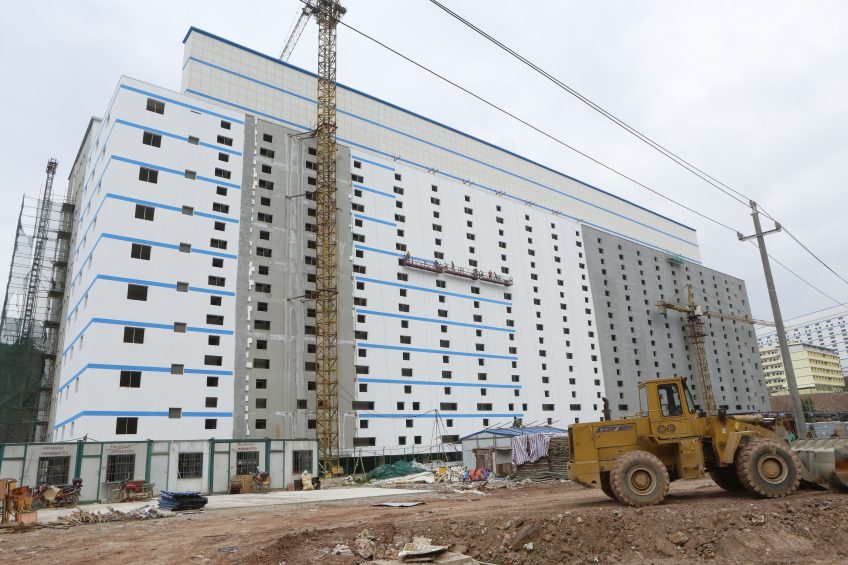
224	501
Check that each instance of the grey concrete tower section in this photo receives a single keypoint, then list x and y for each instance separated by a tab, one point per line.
274	359
638	343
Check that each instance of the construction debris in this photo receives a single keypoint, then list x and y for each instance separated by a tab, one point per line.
398	504
419	548
80	516
178	501
397	469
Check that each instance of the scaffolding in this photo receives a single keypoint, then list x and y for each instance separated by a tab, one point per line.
29	327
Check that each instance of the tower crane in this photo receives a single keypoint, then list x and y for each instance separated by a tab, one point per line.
310	8
327	13
694	317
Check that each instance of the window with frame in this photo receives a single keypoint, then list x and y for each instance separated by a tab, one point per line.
133	335
54	470
130	379
247	462
155	106
190	465
146	174
152	139
140	251
302	460
143	212
126	426
120	467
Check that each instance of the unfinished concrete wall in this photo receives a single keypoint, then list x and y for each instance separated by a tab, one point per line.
275	385
639	343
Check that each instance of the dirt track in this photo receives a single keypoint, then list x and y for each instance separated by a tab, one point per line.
565	523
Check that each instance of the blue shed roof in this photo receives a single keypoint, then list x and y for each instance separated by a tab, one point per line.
512	432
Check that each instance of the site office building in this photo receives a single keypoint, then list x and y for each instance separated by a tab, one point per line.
189	311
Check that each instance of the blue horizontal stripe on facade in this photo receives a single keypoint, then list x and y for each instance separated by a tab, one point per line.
129	280
476	354
375	163
140	413
179	137
445	382
172	246
352	143
142	368
221	182
370	219
137	324
479	161
433	290
387	252
441	414
216	217
183	104
170	207
433	320
374	190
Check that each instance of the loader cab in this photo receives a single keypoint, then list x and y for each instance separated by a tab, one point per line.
668	406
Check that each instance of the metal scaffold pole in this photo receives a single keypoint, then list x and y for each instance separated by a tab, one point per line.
792	384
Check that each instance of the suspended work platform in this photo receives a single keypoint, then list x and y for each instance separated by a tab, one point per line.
451	269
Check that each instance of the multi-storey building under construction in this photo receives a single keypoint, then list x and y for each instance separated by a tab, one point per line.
476	287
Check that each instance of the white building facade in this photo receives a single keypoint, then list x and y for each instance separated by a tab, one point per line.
426	356
147	337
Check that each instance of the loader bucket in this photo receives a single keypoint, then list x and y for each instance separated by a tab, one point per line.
824	461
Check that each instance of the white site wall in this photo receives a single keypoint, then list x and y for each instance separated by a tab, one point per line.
157	462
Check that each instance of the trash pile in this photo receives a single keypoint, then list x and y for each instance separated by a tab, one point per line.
178	501
396	470
411	474
80	516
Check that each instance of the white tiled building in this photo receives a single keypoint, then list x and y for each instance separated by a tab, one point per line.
227	322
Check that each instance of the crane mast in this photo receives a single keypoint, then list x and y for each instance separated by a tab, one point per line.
694	319
326	273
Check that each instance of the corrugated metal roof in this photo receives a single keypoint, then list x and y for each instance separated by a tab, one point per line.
512	432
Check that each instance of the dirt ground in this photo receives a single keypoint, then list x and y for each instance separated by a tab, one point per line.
564	522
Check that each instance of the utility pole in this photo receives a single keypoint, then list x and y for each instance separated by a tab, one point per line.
800	422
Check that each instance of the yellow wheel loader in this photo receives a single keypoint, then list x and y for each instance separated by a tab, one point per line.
633	460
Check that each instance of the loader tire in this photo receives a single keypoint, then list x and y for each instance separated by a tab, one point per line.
768	468
727	478
606	486
638	479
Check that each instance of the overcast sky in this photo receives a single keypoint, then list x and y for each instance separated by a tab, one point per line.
755	93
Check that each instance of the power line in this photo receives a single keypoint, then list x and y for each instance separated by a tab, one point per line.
709	179
535	128
572	148
741	198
